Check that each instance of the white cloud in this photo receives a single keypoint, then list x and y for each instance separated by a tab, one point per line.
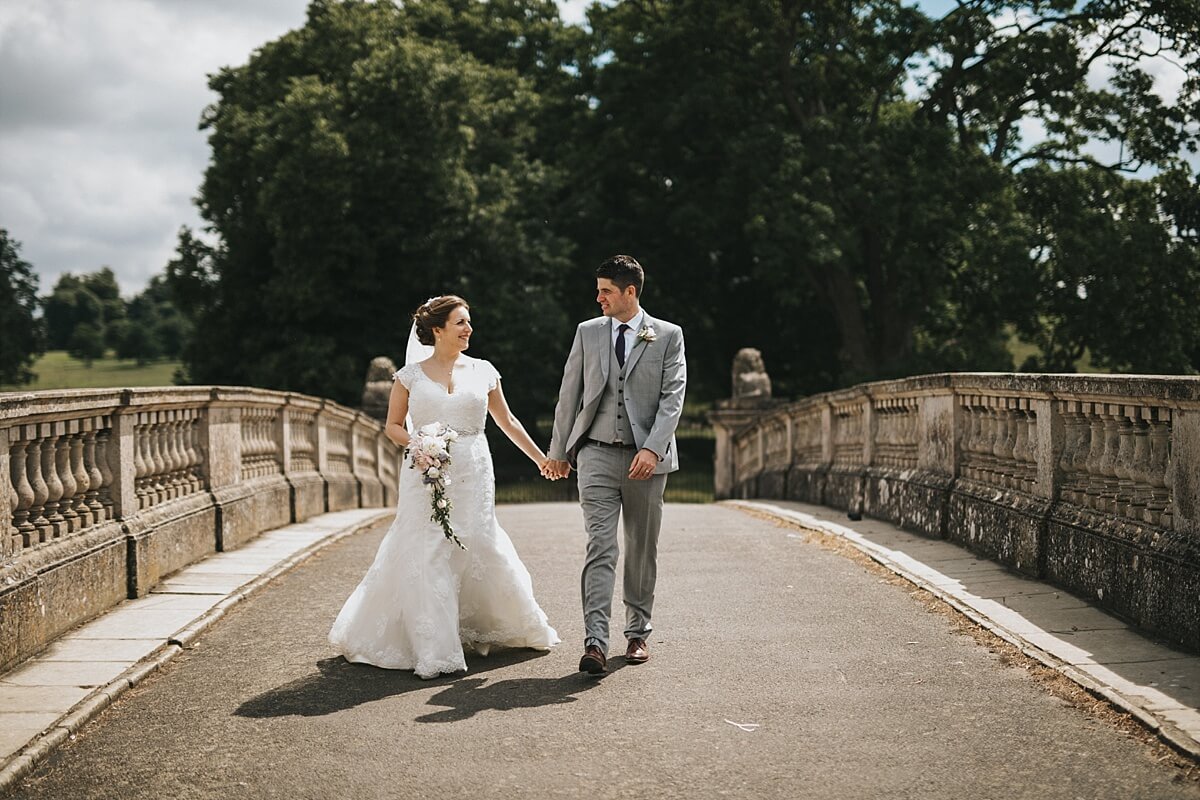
99	108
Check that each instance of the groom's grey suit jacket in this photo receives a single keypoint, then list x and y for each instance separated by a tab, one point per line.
655	380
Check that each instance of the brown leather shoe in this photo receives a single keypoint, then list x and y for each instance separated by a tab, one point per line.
594	661
638	651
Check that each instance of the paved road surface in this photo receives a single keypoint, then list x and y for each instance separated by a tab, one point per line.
857	690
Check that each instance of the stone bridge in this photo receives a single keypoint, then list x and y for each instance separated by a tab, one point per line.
794	653
1090	482
104	492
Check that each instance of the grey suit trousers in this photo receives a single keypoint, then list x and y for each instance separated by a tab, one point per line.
607	494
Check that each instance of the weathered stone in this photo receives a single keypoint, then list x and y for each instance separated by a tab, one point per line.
378	388
1117	459
164	539
117	489
85	576
750	379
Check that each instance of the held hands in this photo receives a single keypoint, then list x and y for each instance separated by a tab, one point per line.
553	469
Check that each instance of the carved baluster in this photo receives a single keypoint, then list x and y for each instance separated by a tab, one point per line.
79	498
1001	447
141	433
54	485
158	455
23	491
1074	454
979	429
197	460
66	476
1108	459
95	476
1095	472
1140	467
1159	468
175	446
1123	460
1031	420
40	491
104	464
1021	455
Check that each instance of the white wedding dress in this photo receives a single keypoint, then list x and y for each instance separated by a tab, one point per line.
423	598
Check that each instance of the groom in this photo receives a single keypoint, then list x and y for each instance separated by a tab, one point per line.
618	407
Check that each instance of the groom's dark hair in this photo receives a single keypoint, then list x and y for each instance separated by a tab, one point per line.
624	271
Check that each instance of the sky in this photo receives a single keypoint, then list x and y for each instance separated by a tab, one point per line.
100	151
100	100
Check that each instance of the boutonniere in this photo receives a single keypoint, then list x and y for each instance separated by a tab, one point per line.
647	334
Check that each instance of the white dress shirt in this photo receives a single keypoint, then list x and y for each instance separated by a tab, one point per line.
635	325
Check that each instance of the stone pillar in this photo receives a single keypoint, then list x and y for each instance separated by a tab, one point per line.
322	453
121	449
728	419
870	426
1050	435
221	437
938	428
827	435
282	431
1185	470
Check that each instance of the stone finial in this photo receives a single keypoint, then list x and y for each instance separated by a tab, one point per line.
378	388
750	379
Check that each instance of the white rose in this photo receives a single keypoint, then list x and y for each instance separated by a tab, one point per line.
433	472
429	430
441	503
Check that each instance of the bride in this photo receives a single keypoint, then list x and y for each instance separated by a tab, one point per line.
425	597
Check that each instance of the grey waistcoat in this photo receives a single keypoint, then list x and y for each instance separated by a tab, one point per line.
606	426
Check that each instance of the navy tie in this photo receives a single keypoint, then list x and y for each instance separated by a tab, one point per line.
621	344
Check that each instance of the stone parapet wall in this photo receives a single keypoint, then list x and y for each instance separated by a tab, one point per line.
1089	481
105	492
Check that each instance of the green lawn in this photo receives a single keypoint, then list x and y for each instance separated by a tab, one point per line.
57	370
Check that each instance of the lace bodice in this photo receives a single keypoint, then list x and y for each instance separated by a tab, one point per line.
465	410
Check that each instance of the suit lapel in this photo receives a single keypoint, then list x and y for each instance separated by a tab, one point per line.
639	345
605	348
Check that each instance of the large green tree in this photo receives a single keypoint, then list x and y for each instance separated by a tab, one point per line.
21	334
93	298
360	164
850	170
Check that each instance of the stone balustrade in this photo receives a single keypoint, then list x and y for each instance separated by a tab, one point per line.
1091	482
105	492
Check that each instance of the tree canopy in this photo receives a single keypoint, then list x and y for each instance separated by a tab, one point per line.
858	189
22	338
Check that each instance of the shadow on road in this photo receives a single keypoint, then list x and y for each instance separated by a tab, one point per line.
339	685
466	698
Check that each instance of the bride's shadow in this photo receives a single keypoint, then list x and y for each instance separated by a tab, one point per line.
467	697
339	685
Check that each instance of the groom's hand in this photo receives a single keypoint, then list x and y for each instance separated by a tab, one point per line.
556	469
643	465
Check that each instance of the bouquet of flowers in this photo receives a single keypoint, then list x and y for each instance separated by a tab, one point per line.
429	453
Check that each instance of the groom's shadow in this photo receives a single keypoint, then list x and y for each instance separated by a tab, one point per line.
466	698
339	685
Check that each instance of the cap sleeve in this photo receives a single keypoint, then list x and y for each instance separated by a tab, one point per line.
406	374
493	375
